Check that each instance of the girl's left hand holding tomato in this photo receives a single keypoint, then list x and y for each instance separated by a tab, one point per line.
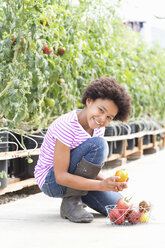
120	185
110	184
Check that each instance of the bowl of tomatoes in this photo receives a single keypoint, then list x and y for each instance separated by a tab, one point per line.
126	213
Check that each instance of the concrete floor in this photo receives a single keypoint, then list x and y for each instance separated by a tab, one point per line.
35	221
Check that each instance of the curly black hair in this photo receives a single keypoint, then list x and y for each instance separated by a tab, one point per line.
109	88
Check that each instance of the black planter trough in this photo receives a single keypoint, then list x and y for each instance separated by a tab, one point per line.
159	136
121	129
109	131
3	173
21	168
131	142
146	139
3	163
138	128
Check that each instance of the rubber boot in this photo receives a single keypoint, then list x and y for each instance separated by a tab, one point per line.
72	207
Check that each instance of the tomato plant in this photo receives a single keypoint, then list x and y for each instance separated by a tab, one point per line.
80	47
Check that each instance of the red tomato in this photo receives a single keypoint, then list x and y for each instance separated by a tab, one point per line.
61	50
134	216
144	206
116	216
46	50
124	205
44	23
122	173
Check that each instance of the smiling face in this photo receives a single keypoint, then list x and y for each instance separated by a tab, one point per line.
100	112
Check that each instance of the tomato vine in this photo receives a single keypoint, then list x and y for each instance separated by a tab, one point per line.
84	41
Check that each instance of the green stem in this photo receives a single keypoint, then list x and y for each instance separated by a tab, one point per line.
6	88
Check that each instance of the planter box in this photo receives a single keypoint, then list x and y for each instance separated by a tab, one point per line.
4	168
146	139
109	132
3	163
121	129
131	142
138	129
116	147
20	167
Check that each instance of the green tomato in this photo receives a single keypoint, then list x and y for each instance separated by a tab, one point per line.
26	1
23	41
50	102
26	117
30	160
61	81
43	104
140	108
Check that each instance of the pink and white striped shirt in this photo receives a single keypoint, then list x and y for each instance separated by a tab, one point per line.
68	130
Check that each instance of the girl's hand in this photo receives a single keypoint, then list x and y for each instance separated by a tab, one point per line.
110	184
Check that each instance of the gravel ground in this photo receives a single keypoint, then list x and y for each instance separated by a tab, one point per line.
13	196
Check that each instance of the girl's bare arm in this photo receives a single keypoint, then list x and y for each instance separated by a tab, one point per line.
63	177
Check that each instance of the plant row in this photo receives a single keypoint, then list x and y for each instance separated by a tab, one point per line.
50	50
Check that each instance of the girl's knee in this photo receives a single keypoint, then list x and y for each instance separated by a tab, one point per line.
100	142
102	146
